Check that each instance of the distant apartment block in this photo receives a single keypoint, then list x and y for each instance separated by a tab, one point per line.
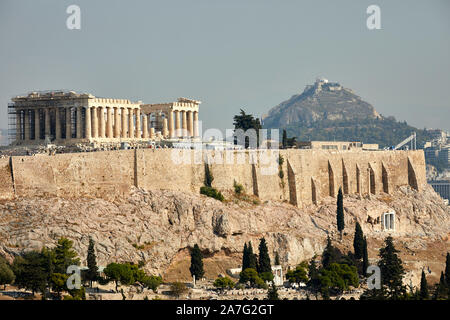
336	145
442	187
444	155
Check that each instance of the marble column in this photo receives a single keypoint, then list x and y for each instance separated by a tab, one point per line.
145	126
47	123
79	126
37	125
195	124
88	128
171	131
101	115
130	123
124	125
177	124
190	123
152	133
27	124
94	113
184	124
116	122
165	131
57	124
68	123
138	124
109	123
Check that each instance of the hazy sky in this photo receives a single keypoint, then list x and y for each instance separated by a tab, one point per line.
231	54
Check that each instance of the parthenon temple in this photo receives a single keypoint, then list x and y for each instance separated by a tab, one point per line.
67	117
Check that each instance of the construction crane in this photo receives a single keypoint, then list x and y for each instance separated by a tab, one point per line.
412	138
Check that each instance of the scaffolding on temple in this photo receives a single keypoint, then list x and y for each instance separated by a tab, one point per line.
12	121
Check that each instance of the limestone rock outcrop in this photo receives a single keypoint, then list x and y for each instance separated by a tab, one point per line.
158	227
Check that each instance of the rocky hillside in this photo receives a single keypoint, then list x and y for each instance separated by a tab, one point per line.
328	111
159	227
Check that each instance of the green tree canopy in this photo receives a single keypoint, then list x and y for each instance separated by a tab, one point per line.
272	293
119	273
392	270
424	295
196	267
92	272
340	212
338	277
330	254
277	259
6	274
245	122
263	257
223	283
64	255
251	275
365	262
252	259
358	241
30	271
299	275
447	270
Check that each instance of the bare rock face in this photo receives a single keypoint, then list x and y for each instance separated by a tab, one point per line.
159	227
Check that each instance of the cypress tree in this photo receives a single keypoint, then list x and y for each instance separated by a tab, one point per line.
272	293
340	212
208	176
447	271
245	258
365	263
284	141
196	267
92	272
424	295
252	261
327	255
264	259
441	289
358	241
391	267
331	255
277	259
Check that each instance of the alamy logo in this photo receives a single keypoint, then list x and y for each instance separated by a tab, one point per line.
74	20
374	20
74	280
374	280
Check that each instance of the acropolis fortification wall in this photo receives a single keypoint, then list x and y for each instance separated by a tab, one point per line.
307	176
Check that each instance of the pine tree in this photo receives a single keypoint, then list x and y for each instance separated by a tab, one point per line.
392	270
313	276
245	257
277	259
92	272
196	267
358	241
272	293
365	263
424	295
340	212
64	256
252	261
263	257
